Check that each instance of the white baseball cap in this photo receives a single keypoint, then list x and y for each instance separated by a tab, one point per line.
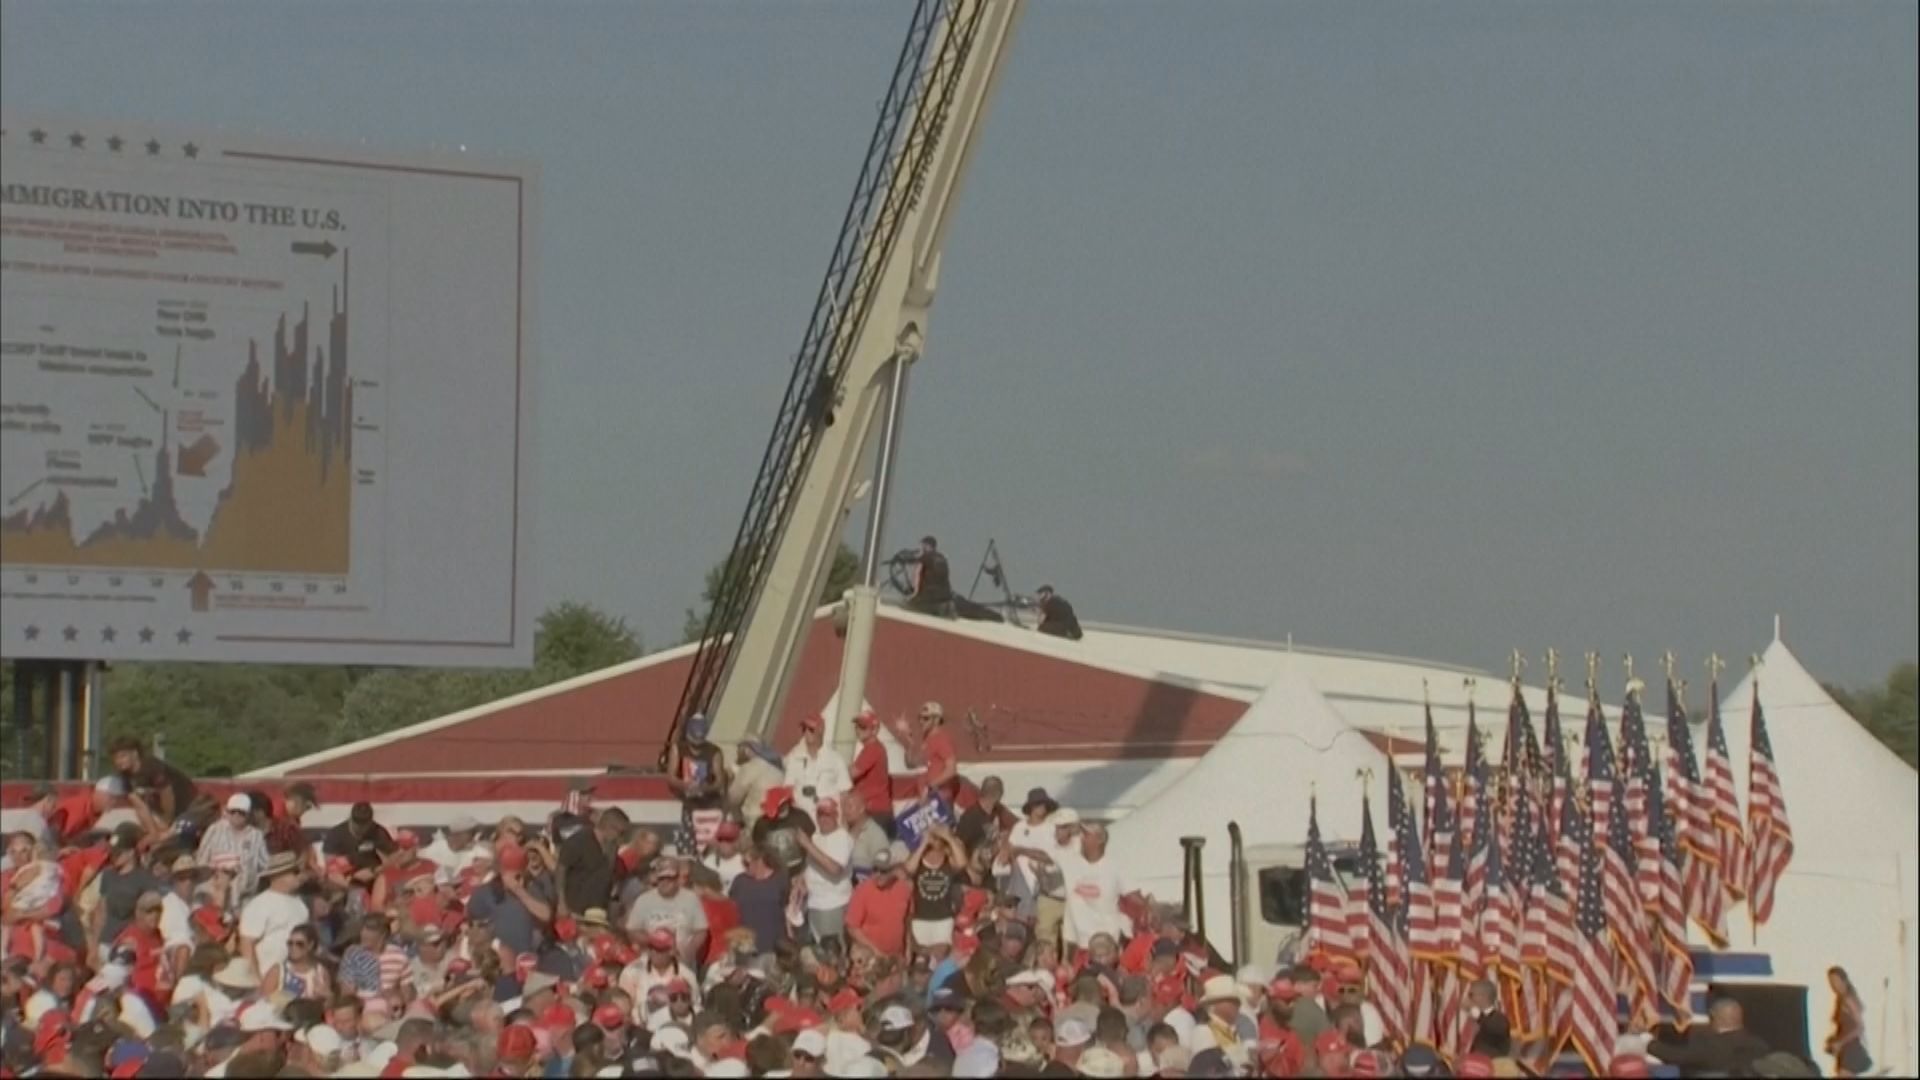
260	1016
1064	818
728	1067
1036	978
896	1018
1072	1032
812	1042
239	803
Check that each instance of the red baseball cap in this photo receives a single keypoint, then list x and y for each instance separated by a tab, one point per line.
511	857
1370	1063
1476	1065
557	1018
678	986
566	929
660	940
597	978
517	1043
1629	1065
609	1016
728	830
1332	1044
775	800
407	839
847	998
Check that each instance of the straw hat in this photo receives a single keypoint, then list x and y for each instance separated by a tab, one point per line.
237	973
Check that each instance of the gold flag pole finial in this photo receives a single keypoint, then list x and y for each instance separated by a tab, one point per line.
1426	696
1593	674
1471	684
1553	666
1365	776
1714	666
1666	664
1519	664
1628	660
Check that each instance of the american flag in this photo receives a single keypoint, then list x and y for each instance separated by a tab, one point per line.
1701	891
1645	806
1725	813
1474	775
1389	966
1500	928
1521	754
1669	913
1417	917
1437	944
1327	901
1767	824
1592	1023
1546	932
1433	777
1554	749
1624	913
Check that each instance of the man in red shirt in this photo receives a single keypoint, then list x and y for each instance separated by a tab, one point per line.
142	935
1281	1053
872	778
877	916
937	754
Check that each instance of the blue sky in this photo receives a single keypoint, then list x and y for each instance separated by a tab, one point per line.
1435	329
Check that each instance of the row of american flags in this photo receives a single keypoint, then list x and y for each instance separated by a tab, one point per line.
1567	883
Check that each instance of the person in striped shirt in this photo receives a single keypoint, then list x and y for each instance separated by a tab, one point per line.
235	837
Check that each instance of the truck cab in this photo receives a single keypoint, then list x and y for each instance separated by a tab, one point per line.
1269	899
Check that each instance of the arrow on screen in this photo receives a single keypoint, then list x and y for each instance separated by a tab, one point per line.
324	248
192	460
201	586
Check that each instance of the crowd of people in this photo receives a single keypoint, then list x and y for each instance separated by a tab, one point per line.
797	925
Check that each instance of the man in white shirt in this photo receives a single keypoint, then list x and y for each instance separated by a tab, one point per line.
269	917
1093	890
1047	830
815	770
176	912
829	873
454	849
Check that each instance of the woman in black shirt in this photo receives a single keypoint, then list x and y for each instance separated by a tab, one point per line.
939	887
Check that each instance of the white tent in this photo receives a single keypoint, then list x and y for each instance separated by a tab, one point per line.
1289	744
1848	898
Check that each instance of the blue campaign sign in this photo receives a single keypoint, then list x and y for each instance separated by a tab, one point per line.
913	825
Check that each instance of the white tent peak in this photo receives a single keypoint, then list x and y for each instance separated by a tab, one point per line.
1289	745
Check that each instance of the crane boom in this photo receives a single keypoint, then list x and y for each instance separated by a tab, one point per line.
868	326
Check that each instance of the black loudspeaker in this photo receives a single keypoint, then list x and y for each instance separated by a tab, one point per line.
1776	1012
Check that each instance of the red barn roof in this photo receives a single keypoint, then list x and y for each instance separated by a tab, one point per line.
1033	698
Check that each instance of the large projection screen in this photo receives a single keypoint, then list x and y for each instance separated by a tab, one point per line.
261	400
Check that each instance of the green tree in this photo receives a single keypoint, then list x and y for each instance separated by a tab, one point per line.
840	577
229	718
1887	711
571	640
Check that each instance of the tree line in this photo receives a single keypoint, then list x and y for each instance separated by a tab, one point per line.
224	719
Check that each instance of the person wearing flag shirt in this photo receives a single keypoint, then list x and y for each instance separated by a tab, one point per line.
697	775
872	772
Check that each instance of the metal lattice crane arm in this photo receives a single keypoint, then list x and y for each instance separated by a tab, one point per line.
868	325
